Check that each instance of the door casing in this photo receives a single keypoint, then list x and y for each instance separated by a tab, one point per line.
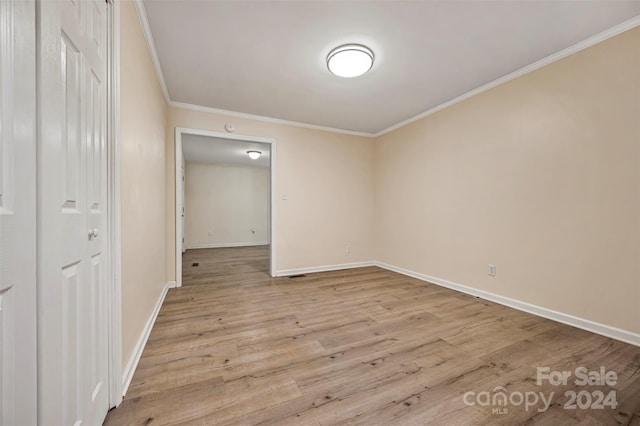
179	184
114	243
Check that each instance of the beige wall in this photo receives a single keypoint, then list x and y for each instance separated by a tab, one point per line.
228	201
142	143
328	178
539	176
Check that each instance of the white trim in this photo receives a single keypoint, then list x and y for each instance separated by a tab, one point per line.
598	38
223	245
130	369
325	268
594	327
178	186
114	242
199	108
178	182
148	36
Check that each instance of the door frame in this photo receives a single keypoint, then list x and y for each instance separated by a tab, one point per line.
114	242
179	186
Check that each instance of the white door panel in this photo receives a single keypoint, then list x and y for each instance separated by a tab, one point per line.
73	303
17	214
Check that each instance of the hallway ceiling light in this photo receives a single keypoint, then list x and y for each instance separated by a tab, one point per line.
350	60
254	155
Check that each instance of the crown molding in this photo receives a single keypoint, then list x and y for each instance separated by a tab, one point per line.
146	30
210	110
582	45
598	38
148	36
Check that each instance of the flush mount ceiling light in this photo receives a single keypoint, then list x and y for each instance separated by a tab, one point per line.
350	60
254	155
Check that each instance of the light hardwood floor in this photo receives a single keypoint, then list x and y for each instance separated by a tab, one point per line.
362	346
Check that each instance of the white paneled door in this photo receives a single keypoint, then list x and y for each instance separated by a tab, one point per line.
18	360
72	302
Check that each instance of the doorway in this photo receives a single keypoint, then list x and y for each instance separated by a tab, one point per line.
228	153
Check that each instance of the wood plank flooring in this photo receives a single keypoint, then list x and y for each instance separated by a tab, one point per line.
355	347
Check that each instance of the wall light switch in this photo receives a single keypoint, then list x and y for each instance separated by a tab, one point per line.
492	270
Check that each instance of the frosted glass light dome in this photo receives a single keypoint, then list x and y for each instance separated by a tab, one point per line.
350	60
254	155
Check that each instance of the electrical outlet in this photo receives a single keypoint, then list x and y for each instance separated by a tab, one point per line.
348	249
210	233
492	270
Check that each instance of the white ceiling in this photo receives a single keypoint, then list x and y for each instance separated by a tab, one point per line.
267	58
210	150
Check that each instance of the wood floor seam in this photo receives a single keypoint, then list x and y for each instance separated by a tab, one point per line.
362	346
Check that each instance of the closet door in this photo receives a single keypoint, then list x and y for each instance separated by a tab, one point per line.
18	362
73	318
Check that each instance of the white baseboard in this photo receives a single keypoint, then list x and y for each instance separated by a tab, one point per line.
326	268
223	245
594	327
127	374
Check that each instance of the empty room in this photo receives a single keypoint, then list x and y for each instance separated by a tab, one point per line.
325	212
